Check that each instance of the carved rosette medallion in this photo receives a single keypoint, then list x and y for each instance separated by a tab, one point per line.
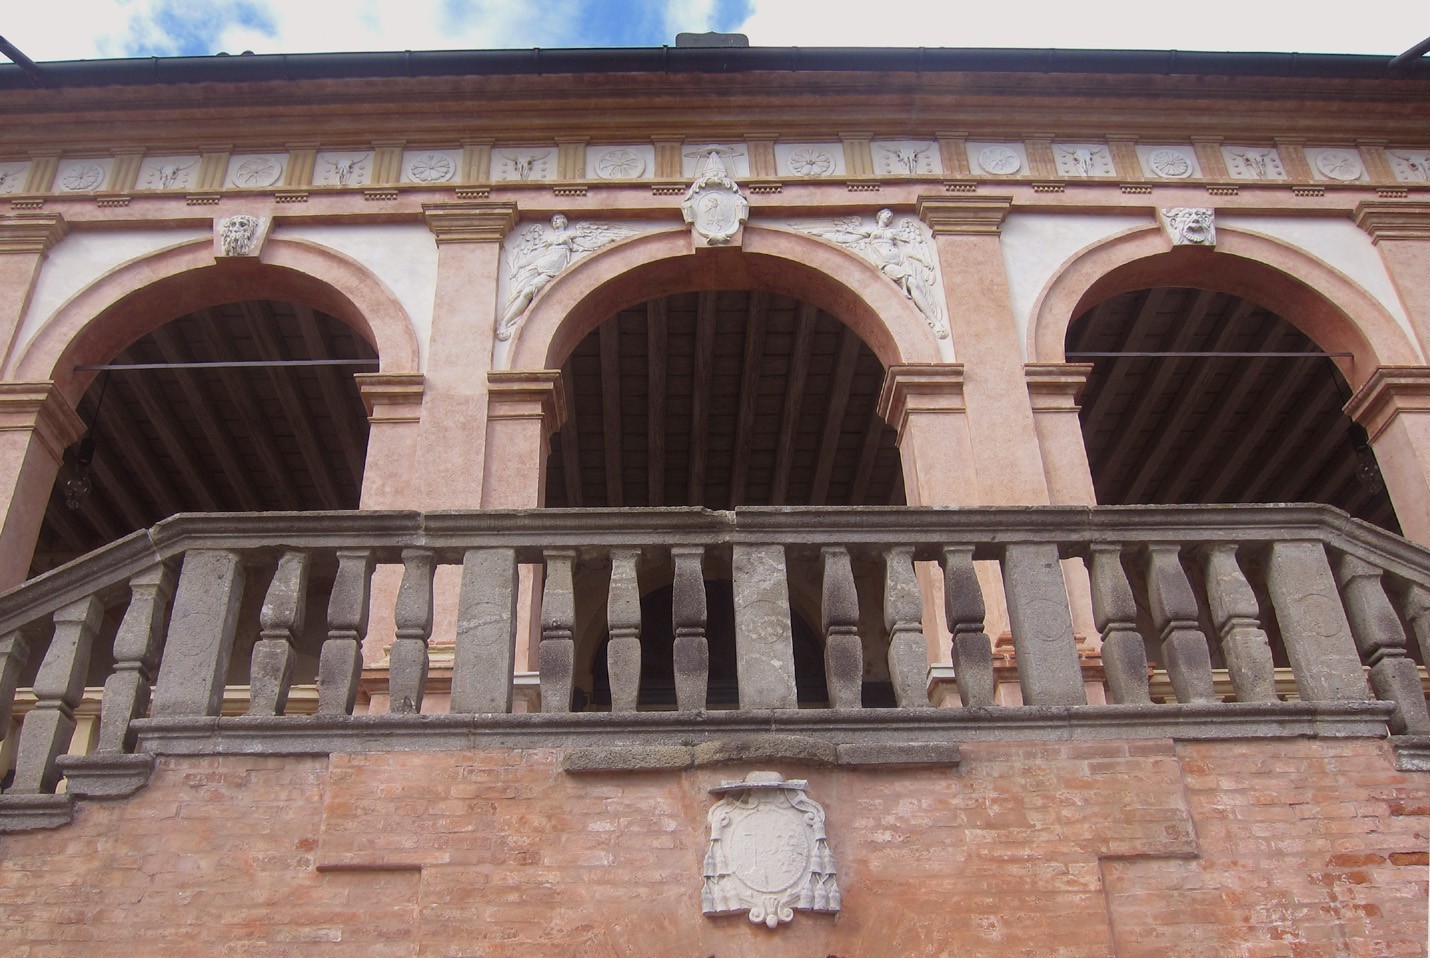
1170	164
768	856
714	206
999	160
82	178
431	168
257	171
1342	165
620	164
1190	225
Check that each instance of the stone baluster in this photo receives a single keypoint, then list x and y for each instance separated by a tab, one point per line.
136	652
972	649
1417	611
1049	672
279	621
486	632
340	662
1185	652
14	653
1237	619
1380	638
623	618
59	685
1313	623
557	652
903	617
407	661
201	632
843	649
1114	611
692	648
764	640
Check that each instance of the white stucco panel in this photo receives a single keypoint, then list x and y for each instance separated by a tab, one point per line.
82	258
1037	245
402	255
1338	243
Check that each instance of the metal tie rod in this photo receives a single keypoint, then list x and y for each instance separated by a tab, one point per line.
1155	355
236	364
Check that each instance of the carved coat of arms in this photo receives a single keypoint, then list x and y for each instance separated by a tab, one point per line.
768	856
714	206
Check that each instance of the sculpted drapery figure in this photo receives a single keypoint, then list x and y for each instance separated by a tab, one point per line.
542	254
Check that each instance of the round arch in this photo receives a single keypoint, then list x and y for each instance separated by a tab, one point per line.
143	294
1330	308
779	261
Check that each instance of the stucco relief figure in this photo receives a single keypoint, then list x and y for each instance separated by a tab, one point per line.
167	176
1190	226
901	253
1410	167
524	166
345	170
905	158
1255	162
11	177
238	235
1083	160
540	257
714	206
768	856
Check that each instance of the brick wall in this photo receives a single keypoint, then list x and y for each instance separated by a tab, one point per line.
1248	849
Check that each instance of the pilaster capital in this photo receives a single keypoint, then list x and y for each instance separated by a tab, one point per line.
478	221
952	215
1054	387
926	387
40	407
527	394
391	397
35	232
1394	221
1390	391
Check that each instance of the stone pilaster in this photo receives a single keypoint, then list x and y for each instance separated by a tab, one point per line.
36	424
1209	157
761	147
302	157
924	404
1040	156
858	154
953	150
1392	220
1400	231
386	162
1124	158
213	167
570	158
476	161
1292	151
1394	407
668	156
125	171
43	167
1053	390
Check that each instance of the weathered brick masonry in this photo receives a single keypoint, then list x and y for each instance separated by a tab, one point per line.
1250	849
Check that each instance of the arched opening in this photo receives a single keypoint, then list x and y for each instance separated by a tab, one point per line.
722	399
249	406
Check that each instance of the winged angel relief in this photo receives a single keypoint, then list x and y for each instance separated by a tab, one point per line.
542	254
899	251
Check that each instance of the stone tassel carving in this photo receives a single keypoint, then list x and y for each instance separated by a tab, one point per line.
1185	652
903	616
1381	640
768	855
692	649
1124	654
340	663
557	651
59	685
1237	618
408	658
843	649
280	619
623	618
972	649
136	653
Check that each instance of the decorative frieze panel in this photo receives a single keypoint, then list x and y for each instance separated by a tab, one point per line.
1164	162
1082	160
1253	162
1337	164
13	175
1410	166
616	163
255	171
345	168
82	175
906	158
809	160
997	159
696	155
429	167
523	163
168	173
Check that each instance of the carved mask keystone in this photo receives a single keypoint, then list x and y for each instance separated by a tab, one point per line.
1190	226
240	235
768	857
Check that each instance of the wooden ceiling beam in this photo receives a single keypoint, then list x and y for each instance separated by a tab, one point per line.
205	408
68	526
1115	369
570	439
330	382
120	432
656	357
176	442
756	322
1316	391
118	490
805	316
873	436
610	337
1270	410
838	400
261	324
705	323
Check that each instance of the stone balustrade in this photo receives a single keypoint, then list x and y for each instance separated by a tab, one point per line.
1192	589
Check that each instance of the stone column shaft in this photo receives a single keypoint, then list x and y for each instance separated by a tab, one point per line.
136	652
623	618
688	612
557	652
1124	653
972	649
1380	638
280	621
407	682
1236	616
1185	653
59	685
839	614
340	662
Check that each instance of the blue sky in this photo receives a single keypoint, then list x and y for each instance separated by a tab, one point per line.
127	28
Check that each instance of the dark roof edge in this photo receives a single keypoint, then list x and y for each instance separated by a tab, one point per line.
248	68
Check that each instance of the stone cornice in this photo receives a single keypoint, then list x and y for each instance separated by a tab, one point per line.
31	232
527	394
391	397
1390	391
40	407
478	221
952	215
1056	386
1394	221
920	388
